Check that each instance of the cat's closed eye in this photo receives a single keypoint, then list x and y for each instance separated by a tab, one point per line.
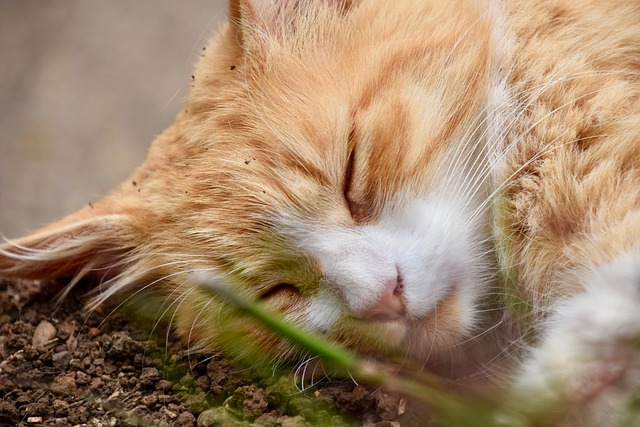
282	290
354	209
417	178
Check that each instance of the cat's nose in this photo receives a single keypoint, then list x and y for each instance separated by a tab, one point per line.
389	305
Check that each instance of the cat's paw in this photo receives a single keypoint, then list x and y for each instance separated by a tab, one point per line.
589	356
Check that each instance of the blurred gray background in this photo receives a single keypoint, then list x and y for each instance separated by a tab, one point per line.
85	86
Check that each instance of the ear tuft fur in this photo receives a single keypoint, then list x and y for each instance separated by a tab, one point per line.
92	244
258	21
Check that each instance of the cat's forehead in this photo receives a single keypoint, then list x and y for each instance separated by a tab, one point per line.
321	108
346	113
360	68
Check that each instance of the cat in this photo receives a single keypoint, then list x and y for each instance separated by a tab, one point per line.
405	177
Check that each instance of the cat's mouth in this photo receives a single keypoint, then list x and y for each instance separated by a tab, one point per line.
399	311
389	309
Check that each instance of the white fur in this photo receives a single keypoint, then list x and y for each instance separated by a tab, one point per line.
589	353
501	109
428	243
323	311
433	242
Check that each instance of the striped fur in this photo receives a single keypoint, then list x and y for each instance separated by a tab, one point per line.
484	153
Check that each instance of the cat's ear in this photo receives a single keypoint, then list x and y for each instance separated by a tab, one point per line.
256	21
77	245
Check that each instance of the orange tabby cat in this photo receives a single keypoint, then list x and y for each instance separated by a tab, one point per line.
387	173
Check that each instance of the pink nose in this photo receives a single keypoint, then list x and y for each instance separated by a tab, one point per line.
388	306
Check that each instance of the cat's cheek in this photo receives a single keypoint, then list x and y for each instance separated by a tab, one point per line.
443	328
323	311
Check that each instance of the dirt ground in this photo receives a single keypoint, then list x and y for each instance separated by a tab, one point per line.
60	366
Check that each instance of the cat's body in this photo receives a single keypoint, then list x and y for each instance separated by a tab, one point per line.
389	173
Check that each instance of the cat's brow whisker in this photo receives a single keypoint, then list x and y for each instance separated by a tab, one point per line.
489	115
537	92
538	155
480	209
479	175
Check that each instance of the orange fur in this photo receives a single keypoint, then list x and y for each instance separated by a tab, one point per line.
330	115
576	203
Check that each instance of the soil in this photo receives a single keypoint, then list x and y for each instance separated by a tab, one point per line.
63	366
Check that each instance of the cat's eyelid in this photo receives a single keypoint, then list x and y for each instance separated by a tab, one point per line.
348	176
273	290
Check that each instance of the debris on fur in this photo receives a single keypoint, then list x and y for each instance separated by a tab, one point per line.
62	367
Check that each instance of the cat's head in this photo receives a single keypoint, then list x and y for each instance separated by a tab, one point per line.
329	161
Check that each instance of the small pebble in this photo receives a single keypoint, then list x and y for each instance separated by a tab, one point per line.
8	411
65	384
185	419
43	335
72	343
149	376
164	385
213	417
61	360
169	413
